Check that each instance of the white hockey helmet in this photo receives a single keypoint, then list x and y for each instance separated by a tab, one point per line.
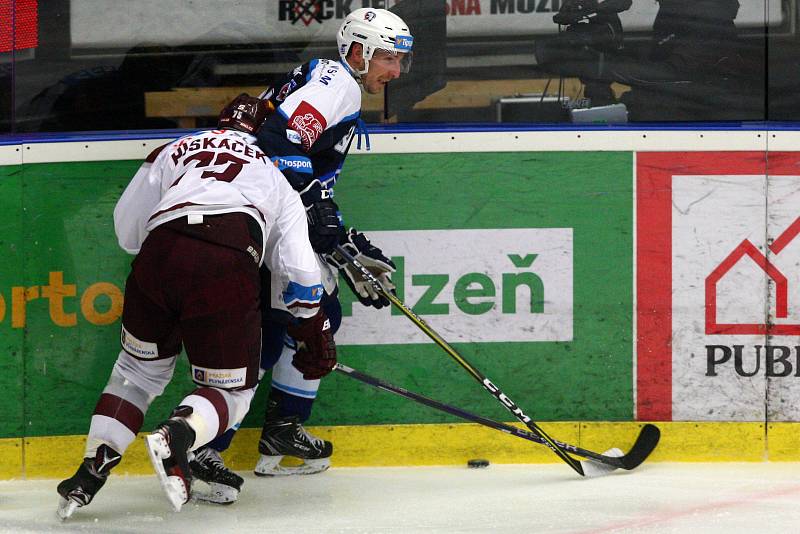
375	29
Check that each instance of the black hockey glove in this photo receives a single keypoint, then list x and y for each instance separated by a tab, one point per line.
324	225
316	350
370	257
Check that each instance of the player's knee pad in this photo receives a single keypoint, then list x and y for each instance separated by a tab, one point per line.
150	375
119	412
215	410
124	388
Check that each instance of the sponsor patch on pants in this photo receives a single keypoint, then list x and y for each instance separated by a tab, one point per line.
138	348
219	378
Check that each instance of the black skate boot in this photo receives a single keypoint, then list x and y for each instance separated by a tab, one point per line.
168	448
222	483
80	488
285	436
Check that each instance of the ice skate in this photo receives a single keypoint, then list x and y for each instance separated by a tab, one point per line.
217	484
80	488
168	448
286	437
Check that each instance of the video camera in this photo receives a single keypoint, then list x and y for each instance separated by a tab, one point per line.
592	23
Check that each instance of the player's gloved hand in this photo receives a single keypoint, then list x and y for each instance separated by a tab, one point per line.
371	257
316	350
324	225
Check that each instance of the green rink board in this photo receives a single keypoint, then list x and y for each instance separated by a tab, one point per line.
58	219
11	341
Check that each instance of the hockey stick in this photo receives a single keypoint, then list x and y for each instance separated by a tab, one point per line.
645	442
485	382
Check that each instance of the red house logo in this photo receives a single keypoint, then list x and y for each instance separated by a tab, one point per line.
749	250
658	325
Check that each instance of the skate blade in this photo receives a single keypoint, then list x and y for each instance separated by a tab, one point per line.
66	507
214	493
174	488
270	466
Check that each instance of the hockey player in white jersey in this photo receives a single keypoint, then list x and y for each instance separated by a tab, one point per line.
202	214
318	108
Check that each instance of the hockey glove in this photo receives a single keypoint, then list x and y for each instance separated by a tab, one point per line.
324	226
316	350
370	257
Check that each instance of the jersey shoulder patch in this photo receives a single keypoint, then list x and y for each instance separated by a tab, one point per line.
308	122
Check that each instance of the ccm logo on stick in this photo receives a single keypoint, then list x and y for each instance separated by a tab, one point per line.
505	400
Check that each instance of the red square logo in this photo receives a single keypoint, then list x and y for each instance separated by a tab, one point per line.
308	122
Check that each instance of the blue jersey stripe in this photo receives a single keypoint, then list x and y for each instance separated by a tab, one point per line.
311	66
349	118
352	117
329	179
310	394
299	294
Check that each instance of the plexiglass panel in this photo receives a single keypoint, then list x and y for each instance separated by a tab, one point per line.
674	60
783	65
19	38
79	65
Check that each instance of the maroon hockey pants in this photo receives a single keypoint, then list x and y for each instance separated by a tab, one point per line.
198	286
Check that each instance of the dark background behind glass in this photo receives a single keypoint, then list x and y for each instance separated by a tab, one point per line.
695	64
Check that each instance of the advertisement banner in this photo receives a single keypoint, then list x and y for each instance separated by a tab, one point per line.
464	232
485	285
119	23
718	297
65	301
522	260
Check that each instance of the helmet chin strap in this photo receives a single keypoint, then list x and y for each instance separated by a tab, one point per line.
359	74
366	66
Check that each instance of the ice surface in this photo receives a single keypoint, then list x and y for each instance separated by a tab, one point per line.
654	498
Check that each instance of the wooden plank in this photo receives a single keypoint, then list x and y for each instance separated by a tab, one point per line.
192	101
185	102
209	101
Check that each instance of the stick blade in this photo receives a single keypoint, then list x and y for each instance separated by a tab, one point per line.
593	468
644	445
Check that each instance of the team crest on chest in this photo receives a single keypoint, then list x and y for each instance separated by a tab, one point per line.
308	122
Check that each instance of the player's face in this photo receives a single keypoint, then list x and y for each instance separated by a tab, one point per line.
383	68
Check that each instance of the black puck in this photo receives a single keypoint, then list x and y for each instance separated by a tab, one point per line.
477	463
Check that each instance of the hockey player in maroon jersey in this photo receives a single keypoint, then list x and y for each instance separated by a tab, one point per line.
318	106
202	214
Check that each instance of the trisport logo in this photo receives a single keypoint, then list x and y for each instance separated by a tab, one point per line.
473	286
